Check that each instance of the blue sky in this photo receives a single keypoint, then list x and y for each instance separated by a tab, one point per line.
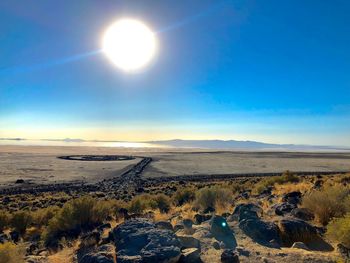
273	71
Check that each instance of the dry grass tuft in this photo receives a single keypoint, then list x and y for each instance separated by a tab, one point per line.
11	253
331	201
339	230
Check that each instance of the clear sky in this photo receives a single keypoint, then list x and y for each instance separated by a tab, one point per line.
266	70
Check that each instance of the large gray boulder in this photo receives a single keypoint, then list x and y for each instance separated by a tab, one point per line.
139	240
296	230
220	229
262	232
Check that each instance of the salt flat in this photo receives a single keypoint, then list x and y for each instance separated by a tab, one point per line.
40	164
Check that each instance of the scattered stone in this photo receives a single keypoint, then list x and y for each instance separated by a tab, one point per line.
4	238
283	208
187	223
19	181
344	251
200	218
229	256
188	241
98	257
103	227
243	252
141	238
190	255
178	227
216	245
245	211
318	184
292	197
14	236
300	245
209	210
164	225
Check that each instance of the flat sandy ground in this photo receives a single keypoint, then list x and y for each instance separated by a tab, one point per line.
41	165
245	162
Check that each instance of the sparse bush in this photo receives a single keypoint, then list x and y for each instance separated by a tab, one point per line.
183	196
213	196
138	204
286	177
332	201
75	216
11	253
142	202
339	230
4	220
41	217
163	203
20	221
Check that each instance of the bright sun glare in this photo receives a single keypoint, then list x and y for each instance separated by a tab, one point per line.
129	44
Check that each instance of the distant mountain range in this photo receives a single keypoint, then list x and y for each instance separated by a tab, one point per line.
241	145
212	144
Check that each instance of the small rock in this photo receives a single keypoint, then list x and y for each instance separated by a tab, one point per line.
14	236
19	181
292	197
243	252
283	208
178	227
200	218
4	238
209	210
188	241
216	245
344	251
229	256
164	225
190	255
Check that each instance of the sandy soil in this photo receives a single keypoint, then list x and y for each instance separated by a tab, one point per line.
249	162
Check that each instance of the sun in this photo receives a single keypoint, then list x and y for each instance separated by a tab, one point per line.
129	44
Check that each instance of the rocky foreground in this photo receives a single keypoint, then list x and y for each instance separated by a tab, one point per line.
285	218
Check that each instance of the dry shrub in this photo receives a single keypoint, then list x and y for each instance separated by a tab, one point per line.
332	201
302	187
339	230
213	196
286	177
184	196
77	215
145	201
21	220
11	253
4	220
41	217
